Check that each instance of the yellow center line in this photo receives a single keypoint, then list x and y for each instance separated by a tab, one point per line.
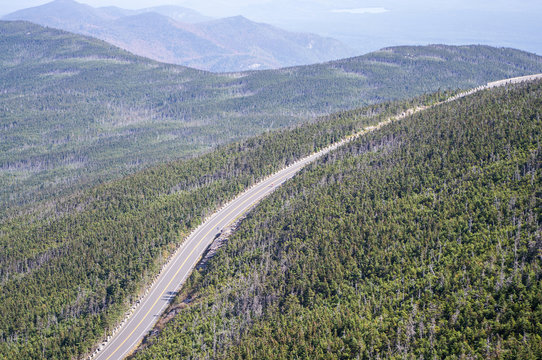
184	262
306	159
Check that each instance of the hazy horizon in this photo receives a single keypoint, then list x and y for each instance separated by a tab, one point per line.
366	26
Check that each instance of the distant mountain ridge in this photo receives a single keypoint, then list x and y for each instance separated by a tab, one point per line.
185	37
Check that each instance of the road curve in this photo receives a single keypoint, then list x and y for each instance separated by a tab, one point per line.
181	264
185	258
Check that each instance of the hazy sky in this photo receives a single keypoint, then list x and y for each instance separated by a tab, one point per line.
233	7
367	25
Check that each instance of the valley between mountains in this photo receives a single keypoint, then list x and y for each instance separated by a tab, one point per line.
77	111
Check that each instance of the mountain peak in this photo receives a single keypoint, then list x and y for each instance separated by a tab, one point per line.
238	18
65	2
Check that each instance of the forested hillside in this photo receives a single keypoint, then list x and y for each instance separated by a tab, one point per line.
68	273
75	111
419	240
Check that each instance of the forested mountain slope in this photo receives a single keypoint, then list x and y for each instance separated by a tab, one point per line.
421	239
75	111
68	273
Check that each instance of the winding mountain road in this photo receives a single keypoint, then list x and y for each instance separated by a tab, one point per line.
176	271
181	264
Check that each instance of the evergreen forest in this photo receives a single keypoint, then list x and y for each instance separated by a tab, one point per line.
419	240
69	272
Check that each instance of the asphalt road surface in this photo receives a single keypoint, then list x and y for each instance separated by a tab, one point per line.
184	260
